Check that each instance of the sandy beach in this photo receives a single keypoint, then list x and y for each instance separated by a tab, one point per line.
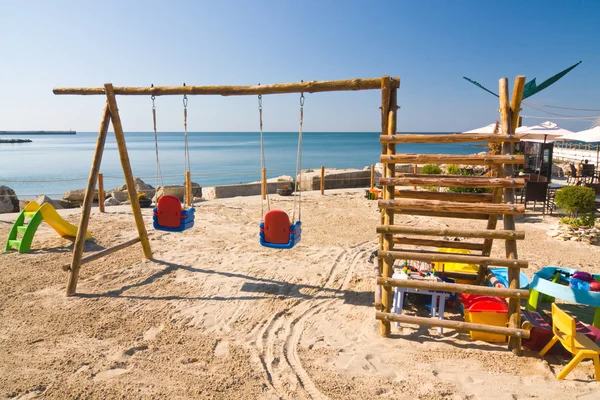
215	315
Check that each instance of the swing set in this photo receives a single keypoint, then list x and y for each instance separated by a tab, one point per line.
276	229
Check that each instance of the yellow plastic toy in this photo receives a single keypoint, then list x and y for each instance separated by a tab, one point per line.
574	342
456	267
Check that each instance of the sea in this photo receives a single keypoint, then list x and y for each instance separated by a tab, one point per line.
53	164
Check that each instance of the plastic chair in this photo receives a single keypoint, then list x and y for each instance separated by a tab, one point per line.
536	191
576	343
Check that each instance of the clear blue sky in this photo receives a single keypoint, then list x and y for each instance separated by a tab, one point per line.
431	45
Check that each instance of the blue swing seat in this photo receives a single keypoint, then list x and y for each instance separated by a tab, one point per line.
168	215
276	232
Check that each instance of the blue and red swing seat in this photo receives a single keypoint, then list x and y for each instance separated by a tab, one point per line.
277	232
168	215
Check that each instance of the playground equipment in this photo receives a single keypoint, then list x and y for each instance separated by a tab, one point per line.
481	206
276	230
574	342
168	215
30	219
111	114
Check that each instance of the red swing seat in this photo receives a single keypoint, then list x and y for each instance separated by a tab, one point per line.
277	227
168	212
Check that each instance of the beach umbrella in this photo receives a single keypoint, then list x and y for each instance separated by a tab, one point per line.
489	129
588	136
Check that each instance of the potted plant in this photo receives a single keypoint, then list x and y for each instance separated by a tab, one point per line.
144	200
285	190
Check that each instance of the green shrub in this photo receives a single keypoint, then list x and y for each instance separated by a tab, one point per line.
575	199
431	169
453	169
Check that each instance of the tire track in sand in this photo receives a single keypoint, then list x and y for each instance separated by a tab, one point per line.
278	340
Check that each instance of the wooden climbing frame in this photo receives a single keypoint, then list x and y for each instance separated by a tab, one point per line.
452	205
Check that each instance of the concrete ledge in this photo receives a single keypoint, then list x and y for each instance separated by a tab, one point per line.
245	189
337	179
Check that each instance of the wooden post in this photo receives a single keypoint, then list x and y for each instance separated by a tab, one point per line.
101	193
415	172
188	189
510	117
322	179
88	198
372	176
124	156
263	183
389	122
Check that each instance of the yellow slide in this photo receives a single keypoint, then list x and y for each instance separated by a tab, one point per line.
53	218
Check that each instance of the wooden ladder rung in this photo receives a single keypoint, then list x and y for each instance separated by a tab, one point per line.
441	214
452	181
451	244
454	258
452	159
451	206
468	233
449	196
454	138
457	325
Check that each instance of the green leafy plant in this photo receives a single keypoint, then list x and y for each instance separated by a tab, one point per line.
575	199
431	169
453	169
467	172
588	219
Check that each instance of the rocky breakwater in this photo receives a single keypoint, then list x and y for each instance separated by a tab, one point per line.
585	234
15	140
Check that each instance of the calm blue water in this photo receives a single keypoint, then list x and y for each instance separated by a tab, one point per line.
217	158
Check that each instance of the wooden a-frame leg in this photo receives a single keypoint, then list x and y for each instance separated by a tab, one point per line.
125	163
87	203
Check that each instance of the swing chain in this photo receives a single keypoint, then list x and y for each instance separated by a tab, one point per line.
302	99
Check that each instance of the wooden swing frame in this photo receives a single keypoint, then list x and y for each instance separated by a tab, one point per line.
111	114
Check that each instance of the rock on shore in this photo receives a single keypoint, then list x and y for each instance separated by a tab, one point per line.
9	202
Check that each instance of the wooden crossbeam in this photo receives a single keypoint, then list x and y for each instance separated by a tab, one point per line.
448	196
452	244
229	90
452	206
454	138
443	181
468	233
452	159
439	214
105	252
454	258
455	288
457	325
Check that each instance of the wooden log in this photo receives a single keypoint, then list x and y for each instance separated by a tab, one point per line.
456	325
453	138
454	288
448	196
440	214
386	87
229	90
101	193
452	159
415	167
188	189
372	176
105	252
452	206
322	179
441	181
124	156
453	244
453	258
510	117
88	198
469	233
387	268
263	186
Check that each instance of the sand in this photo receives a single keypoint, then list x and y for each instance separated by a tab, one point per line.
217	316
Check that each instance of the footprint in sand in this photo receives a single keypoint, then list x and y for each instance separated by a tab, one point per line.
222	349
109	374
151	333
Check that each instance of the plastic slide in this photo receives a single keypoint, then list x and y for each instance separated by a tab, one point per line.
37	214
